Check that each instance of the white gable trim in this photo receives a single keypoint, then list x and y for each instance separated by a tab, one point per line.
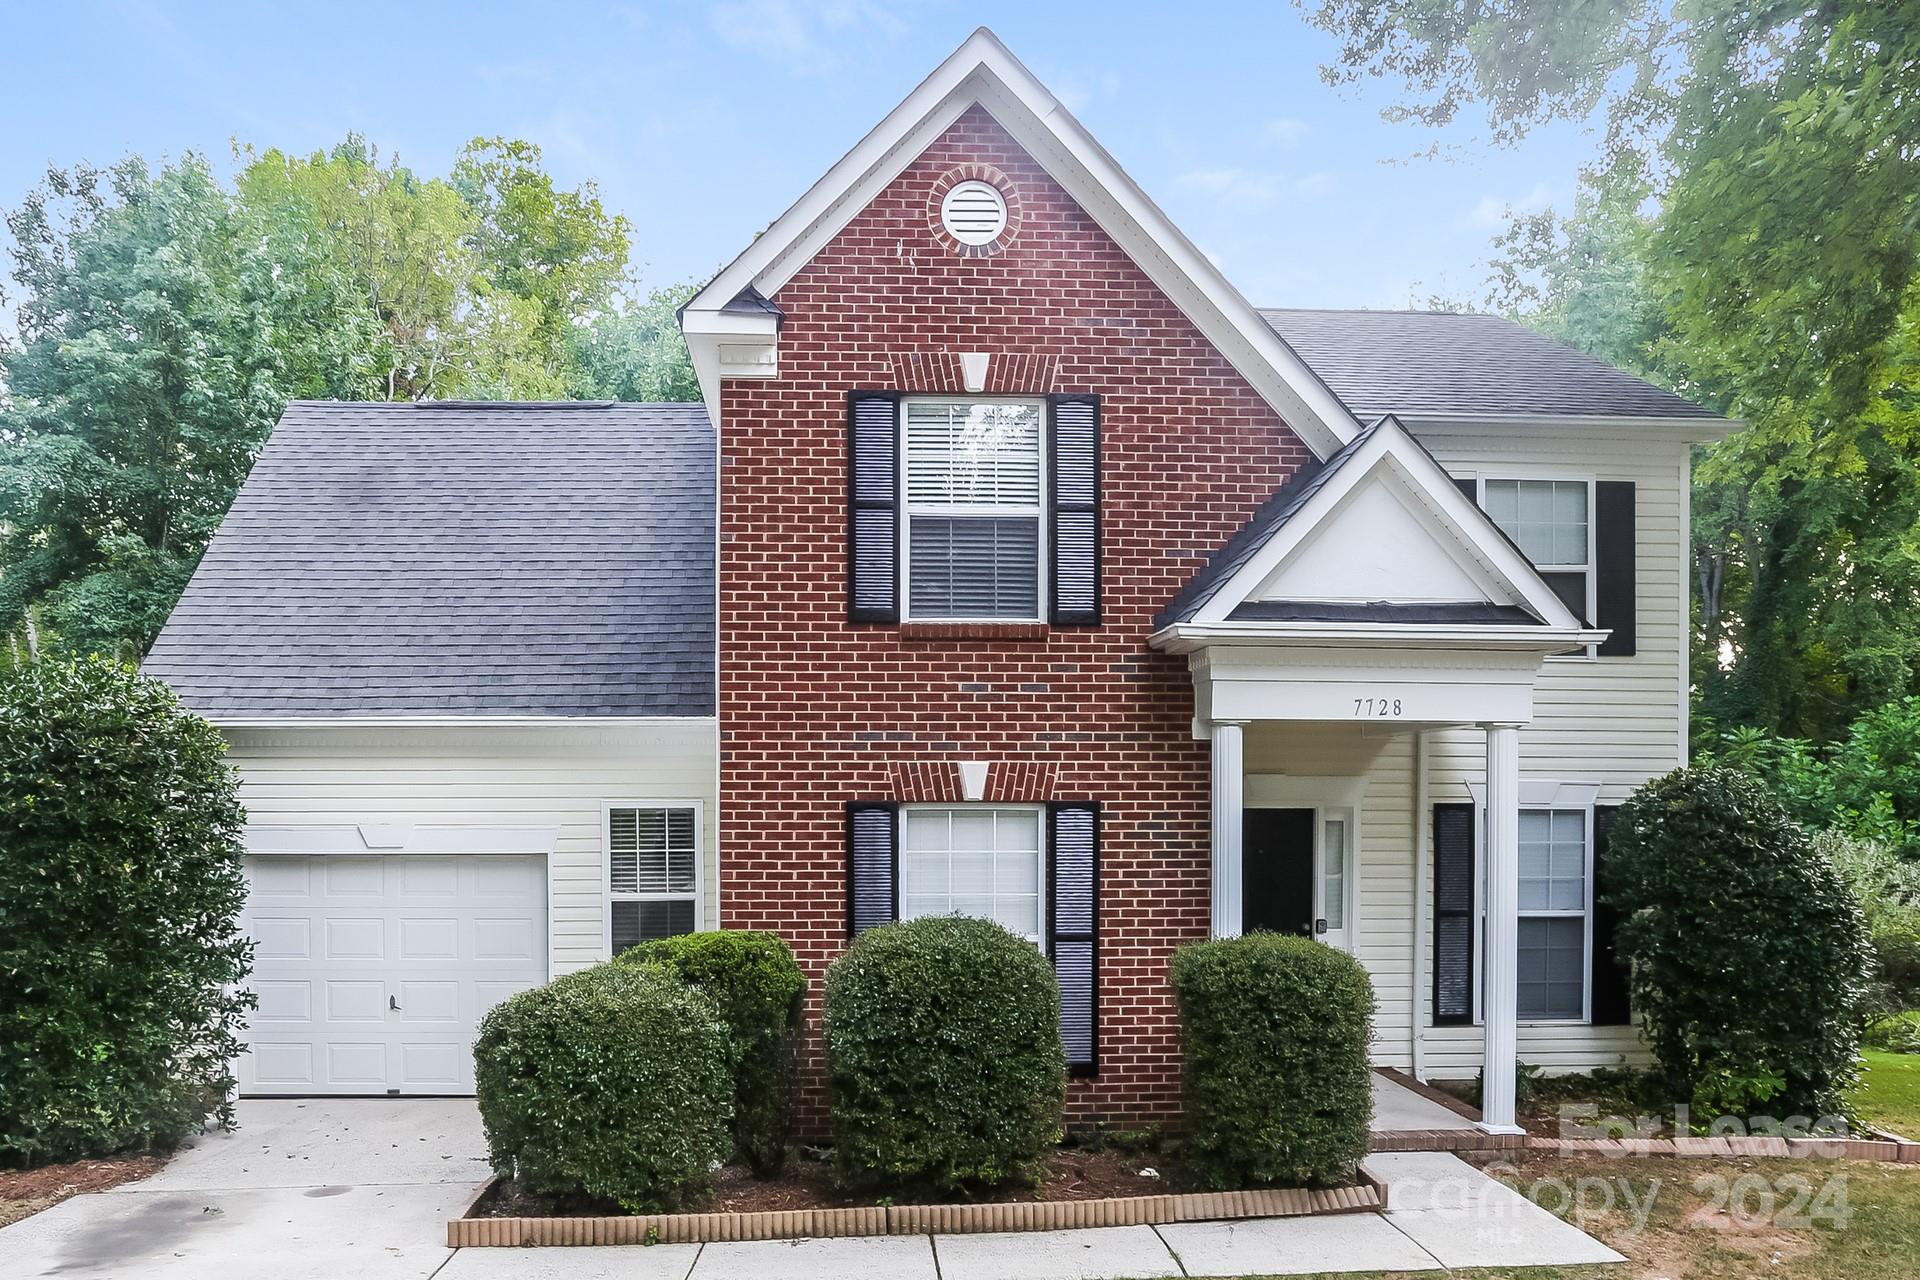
1477	543
983	71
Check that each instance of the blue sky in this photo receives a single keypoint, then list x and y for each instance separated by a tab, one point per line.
701	122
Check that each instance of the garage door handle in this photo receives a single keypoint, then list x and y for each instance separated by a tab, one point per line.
393	1004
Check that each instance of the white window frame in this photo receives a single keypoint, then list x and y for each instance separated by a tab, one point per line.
1590	568
909	509
608	897
1535	793
976	806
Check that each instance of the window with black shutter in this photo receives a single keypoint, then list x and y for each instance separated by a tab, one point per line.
1453	914
1074	509
1610	1003
873	865
1614	553
1073	913
1035	870
873	506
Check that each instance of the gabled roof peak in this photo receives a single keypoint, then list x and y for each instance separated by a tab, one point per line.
725	341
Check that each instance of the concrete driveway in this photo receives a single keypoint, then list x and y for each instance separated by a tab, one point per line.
304	1188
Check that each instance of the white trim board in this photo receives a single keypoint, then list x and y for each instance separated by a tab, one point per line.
983	72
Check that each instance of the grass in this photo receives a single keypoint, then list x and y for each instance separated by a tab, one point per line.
1863	1224
1889	1093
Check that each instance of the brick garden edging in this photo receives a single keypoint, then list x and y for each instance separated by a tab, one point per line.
914	1219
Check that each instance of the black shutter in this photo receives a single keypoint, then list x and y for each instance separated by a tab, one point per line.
1609	993
1073	928
1613	548
873	865
1470	486
1073	509
1453	907
873	506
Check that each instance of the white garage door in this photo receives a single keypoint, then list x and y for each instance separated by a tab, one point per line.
373	972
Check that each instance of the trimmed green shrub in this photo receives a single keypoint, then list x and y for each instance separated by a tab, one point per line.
1750	956
943	1056
615	1082
1274	1033
758	986
120	894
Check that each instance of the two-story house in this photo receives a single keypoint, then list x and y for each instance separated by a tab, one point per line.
1014	565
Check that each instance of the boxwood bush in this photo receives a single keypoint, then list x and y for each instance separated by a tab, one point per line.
943	1056
758	986
615	1082
120	896
1274	1034
1750	958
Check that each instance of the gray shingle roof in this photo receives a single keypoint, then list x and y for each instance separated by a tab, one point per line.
1431	362
471	559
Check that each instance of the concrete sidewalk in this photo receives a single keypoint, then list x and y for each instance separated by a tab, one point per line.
319	1190
1446	1214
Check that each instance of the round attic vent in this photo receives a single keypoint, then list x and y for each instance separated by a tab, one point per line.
974	212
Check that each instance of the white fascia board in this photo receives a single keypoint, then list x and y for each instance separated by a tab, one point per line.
1690	430
983	71
1185	637
1488	549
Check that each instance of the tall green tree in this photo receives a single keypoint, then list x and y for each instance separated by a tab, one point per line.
164	321
1779	144
150	363
634	351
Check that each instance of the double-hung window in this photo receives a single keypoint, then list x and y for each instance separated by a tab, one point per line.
1555	910
974	860
653	873
974	485
1550	521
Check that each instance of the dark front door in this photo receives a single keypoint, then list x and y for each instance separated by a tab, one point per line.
1277	874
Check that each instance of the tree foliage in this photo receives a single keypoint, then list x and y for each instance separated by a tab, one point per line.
1749	235
120	896
166	318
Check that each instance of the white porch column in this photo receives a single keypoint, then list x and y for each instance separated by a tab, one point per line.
1228	823
1502	819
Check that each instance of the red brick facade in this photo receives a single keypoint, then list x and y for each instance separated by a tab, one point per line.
815	712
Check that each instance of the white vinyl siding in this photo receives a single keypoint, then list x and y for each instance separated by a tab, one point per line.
432	778
974	487
974	860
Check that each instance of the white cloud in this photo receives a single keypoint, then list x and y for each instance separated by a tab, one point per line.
1492	212
802	35
1287	130
1319	183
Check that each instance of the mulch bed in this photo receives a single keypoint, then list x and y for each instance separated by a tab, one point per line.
24	1192
808	1184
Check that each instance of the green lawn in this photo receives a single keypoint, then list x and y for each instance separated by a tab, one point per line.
1684	1236
1889	1093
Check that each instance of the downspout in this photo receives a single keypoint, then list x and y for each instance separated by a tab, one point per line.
1422	816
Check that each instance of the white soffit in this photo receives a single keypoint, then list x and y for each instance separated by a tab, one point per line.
983	71
1454	527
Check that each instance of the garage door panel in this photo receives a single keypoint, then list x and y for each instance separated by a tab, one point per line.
363	878
435	937
383	991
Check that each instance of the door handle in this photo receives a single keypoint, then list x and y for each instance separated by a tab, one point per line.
393	1004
